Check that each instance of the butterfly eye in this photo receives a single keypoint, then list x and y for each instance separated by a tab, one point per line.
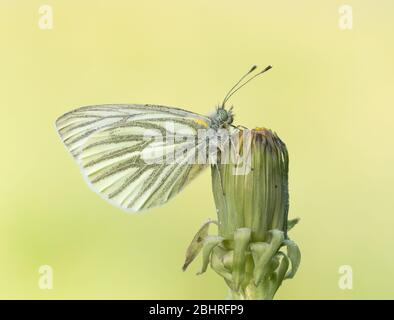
222	114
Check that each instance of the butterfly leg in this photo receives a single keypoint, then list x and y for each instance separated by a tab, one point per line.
242	127
239	126
236	153
220	178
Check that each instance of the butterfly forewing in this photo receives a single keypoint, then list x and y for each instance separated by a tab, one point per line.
131	154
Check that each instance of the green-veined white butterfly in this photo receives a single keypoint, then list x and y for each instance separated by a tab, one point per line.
108	143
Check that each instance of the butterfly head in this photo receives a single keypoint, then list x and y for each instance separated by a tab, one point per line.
222	118
225	116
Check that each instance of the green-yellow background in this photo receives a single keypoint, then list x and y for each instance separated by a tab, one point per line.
329	97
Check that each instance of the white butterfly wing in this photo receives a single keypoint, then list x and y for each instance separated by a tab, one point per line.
123	156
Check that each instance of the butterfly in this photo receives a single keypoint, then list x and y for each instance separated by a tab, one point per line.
117	147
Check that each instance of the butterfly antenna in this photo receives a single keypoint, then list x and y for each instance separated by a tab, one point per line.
243	77
228	96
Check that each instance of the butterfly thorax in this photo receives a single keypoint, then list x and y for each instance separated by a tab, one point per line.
222	118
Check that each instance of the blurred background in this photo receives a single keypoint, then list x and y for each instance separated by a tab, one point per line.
329	97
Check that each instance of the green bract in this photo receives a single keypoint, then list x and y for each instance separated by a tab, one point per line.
252	202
